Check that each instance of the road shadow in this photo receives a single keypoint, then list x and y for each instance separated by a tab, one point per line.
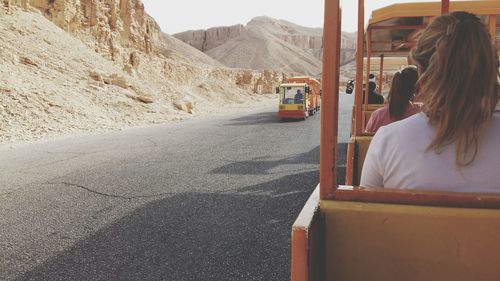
235	235
260	166
260	118
341	162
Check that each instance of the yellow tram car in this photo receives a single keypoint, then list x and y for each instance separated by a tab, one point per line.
299	98
355	233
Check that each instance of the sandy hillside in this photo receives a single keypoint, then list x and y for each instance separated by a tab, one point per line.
266	43
176	46
104	65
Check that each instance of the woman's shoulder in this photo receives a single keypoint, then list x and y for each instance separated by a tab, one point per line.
381	111
377	119
412	133
413	125
383	114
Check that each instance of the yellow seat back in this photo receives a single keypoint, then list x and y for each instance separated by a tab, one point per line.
366	112
369	241
356	154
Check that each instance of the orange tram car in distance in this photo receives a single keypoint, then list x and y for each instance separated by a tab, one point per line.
347	232
299	98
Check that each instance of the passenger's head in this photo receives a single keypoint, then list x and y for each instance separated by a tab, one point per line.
402	91
458	67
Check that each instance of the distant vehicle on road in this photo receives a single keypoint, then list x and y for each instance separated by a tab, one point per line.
349	87
300	97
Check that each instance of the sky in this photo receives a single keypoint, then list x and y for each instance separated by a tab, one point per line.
177	16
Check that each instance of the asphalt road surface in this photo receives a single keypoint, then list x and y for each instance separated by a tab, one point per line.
205	199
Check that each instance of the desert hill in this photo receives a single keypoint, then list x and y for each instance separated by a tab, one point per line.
266	43
177	47
77	66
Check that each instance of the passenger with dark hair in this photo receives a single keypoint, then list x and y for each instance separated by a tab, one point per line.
399	102
373	96
453	145
299	97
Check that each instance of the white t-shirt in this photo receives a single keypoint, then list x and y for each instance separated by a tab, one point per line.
398	158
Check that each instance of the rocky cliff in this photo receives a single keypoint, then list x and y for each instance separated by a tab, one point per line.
116	29
121	31
267	43
85	65
302	41
205	40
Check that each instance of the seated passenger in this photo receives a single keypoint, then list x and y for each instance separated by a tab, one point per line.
453	145
373	96
299	97
399	101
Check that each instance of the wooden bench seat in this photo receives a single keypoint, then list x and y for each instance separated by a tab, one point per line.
369	234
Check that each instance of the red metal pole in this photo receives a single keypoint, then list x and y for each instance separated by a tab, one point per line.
368	63
329	113
381	75
445	7
359	67
493	28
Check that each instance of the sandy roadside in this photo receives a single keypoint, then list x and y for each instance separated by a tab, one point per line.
255	103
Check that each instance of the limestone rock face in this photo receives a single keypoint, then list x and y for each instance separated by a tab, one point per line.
121	31
114	28
315	42
349	40
83	65
205	40
267	43
259	82
303	41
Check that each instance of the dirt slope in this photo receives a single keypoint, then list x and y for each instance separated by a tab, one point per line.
104	65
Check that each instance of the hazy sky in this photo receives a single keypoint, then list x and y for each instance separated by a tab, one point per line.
181	15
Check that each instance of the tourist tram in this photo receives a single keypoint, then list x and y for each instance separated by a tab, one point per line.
354	233
299	97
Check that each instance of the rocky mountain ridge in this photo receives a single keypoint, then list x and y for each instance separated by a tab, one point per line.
86	65
279	44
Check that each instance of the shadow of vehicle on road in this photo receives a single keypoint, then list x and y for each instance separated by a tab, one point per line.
260	118
261	166
241	234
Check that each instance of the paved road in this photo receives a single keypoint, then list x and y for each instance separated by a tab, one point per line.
197	200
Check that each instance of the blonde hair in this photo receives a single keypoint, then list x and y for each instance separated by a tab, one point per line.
459	81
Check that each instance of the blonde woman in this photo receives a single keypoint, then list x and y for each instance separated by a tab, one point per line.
454	144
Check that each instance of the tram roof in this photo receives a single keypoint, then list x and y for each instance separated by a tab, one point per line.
396	28
293	85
